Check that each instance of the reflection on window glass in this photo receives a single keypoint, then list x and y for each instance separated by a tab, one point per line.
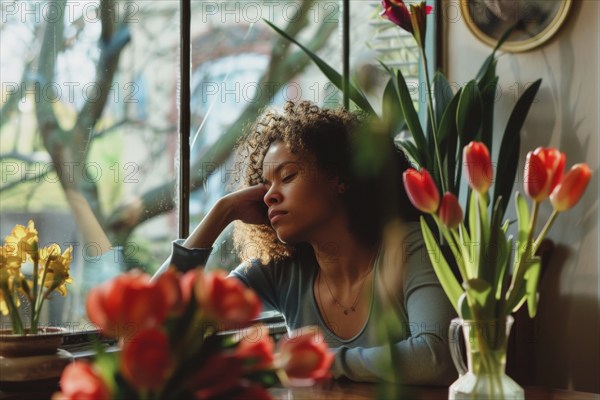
89	114
89	133
240	65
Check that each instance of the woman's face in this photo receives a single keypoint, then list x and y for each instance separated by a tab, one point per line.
303	200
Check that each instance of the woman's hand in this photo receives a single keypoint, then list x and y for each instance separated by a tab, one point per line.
247	205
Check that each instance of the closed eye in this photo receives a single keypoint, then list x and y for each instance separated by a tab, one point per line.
289	177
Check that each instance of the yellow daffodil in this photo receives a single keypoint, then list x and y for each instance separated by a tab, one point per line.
10	269
9	259
23	241
54	268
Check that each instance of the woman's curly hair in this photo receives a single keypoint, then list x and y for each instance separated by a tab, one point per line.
336	138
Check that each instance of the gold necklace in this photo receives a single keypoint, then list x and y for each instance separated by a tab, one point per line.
352	308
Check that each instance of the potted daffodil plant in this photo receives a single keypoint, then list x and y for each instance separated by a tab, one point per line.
50	274
29	275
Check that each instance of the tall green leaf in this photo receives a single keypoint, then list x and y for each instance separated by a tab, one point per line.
488	101
490	62
441	267
391	110
448	140
469	112
532	278
409	146
443	95
412	119
524	220
468	121
355	94
511	143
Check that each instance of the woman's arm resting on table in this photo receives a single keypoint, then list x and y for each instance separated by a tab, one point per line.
422	359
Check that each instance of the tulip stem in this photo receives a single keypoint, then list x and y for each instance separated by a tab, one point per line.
545	229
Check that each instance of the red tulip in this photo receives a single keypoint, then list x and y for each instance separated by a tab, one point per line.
478	165
543	171
570	189
127	304
256	347
79	380
226	300
145	360
450	212
305	355
421	190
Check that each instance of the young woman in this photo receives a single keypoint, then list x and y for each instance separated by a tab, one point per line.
331	244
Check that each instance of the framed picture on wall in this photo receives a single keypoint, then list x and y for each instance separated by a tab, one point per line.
536	21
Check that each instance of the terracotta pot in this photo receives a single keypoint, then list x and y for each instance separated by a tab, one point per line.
32	360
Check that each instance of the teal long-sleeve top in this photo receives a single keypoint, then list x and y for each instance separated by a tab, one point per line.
409	309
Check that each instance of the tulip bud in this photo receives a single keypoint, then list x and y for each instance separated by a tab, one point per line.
568	192
421	190
478	165
413	21
543	171
450	212
397	12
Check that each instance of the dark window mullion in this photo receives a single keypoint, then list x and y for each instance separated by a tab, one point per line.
184	119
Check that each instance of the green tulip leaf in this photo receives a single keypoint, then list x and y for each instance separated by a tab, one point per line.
355	95
441	267
511	143
505	226
448	141
488	101
464	310
409	146
480	292
524	220
443	95
468	122
488	68
474	232
469	113
412	119
532	278
391	109
501	280
497	256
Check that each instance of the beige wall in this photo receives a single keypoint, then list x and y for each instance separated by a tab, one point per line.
565	116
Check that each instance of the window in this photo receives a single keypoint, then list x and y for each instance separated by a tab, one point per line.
90	118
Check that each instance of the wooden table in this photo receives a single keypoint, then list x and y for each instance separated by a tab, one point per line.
361	391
